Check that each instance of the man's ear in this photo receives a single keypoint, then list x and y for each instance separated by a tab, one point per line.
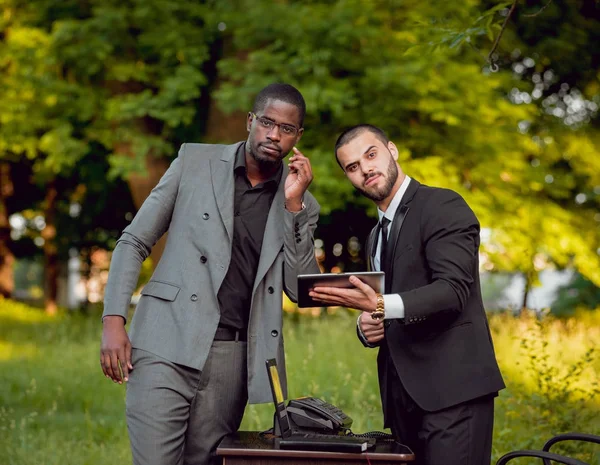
393	150
299	136
249	121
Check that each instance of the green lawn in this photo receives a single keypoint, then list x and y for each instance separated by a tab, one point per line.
56	407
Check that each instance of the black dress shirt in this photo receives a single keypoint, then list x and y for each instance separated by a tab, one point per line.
251	209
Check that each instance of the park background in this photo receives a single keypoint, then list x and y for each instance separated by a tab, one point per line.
496	100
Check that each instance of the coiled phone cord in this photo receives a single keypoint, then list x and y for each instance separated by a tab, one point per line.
371	434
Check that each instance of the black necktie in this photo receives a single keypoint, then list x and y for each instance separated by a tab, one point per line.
383	227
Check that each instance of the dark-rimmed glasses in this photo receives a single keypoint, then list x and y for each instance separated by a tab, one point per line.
268	124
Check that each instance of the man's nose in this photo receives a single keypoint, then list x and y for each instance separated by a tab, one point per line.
274	134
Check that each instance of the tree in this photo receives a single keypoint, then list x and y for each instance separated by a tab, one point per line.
38	123
7	257
550	51
122	78
579	293
128	81
418	72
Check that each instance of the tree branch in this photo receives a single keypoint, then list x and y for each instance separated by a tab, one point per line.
493	65
540	10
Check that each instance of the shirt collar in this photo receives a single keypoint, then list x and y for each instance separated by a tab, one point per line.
395	203
240	158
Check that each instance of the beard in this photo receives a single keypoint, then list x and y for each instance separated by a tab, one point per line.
378	194
264	161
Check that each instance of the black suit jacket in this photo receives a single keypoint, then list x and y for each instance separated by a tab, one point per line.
442	349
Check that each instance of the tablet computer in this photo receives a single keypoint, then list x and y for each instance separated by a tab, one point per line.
375	279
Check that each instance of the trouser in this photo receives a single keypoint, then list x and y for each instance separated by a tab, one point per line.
458	435
177	415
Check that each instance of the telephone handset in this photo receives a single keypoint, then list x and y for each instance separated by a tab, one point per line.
313	414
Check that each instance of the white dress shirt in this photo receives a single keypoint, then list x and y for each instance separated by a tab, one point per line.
393	304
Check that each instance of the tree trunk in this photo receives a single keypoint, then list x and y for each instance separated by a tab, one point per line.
7	259
140	187
221	128
50	249
526	291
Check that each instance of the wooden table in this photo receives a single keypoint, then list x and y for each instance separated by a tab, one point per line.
252	448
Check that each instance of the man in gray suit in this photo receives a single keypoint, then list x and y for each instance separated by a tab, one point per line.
241	227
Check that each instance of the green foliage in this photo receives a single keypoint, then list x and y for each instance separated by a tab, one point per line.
557	389
88	91
579	293
436	107
125	80
107	72
551	368
519	168
556	215
52	391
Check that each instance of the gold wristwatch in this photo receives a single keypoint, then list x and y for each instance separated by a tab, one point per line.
379	312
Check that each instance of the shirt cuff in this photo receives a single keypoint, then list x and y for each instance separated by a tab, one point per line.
301	209
394	306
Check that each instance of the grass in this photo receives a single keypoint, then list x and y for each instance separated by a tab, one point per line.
57	408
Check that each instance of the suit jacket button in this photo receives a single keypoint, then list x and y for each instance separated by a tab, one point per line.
206	216
298	240
274	333
271	290
194	297
203	259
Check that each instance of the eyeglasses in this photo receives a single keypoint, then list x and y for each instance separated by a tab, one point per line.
286	129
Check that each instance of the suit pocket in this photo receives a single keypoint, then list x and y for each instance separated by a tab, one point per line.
161	290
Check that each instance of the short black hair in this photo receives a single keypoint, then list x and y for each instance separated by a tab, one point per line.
353	132
284	92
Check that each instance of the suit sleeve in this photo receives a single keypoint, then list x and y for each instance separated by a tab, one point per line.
135	244
450	234
298	245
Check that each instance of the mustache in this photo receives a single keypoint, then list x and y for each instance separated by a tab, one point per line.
271	146
371	175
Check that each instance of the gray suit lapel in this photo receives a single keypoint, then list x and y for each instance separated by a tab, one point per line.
223	185
273	237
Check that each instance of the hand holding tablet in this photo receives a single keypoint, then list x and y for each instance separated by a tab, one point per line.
307	283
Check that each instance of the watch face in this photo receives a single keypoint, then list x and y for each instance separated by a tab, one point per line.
377	315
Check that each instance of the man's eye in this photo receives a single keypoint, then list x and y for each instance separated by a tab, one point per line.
351	168
288	130
266	123
372	154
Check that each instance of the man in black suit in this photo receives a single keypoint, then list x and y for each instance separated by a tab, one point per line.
438	374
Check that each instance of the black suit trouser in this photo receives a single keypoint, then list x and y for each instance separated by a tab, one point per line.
458	435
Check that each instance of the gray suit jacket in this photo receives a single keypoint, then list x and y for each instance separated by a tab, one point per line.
178	313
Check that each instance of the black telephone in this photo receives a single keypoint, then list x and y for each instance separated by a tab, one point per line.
315	415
